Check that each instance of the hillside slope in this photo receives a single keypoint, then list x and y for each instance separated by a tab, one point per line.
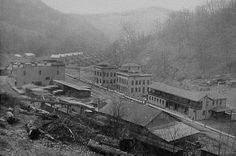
190	45
144	20
32	26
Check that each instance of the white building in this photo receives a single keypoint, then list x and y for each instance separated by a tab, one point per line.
132	82
40	73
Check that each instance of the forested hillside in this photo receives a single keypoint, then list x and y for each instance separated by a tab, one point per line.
32	26
144	20
189	44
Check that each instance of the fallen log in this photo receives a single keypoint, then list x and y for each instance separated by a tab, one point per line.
105	149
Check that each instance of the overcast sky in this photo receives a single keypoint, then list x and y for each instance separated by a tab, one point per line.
108	6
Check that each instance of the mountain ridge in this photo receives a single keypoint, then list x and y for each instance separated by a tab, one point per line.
32	26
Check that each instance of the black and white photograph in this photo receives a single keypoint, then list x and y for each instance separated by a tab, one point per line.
117	77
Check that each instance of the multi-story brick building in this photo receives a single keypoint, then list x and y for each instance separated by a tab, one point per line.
105	75
40	73
132	82
195	105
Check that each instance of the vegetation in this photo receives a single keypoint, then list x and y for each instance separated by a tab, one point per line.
189	44
32	26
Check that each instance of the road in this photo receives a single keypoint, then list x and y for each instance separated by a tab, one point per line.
216	134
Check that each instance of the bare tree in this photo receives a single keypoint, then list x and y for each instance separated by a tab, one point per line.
118	112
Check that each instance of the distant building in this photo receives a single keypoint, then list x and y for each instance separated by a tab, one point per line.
131	81
39	73
105	75
72	90
195	105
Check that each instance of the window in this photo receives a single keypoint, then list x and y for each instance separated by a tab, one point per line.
132	82
139	82
204	112
104	81
136	89
114	81
24	72
47	78
110	74
136	82
143	89
143	82
110	81
139	89
40	72
132	90
57	72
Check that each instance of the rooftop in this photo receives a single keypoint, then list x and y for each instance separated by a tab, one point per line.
85	88
192	95
174	131
106	66
215	95
133	74
41	63
133	112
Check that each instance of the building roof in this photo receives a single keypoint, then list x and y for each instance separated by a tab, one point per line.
133	74
106	66
84	88
75	101
215	95
174	131
220	109
29	54
133	112
130	65
192	95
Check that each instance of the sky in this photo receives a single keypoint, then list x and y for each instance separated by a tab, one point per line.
109	6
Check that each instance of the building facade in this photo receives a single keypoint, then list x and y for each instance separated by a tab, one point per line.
195	105
132	82
40	73
105	75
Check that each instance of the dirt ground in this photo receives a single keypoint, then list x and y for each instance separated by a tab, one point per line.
15	141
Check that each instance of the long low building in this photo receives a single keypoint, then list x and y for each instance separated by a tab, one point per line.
73	90
195	105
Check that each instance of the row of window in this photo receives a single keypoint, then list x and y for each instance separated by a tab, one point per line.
169	96
106	81
121	80
157	100
140	82
40	72
111	74
138	90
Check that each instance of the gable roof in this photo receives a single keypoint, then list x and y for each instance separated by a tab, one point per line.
192	95
215	95
134	112
174	131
